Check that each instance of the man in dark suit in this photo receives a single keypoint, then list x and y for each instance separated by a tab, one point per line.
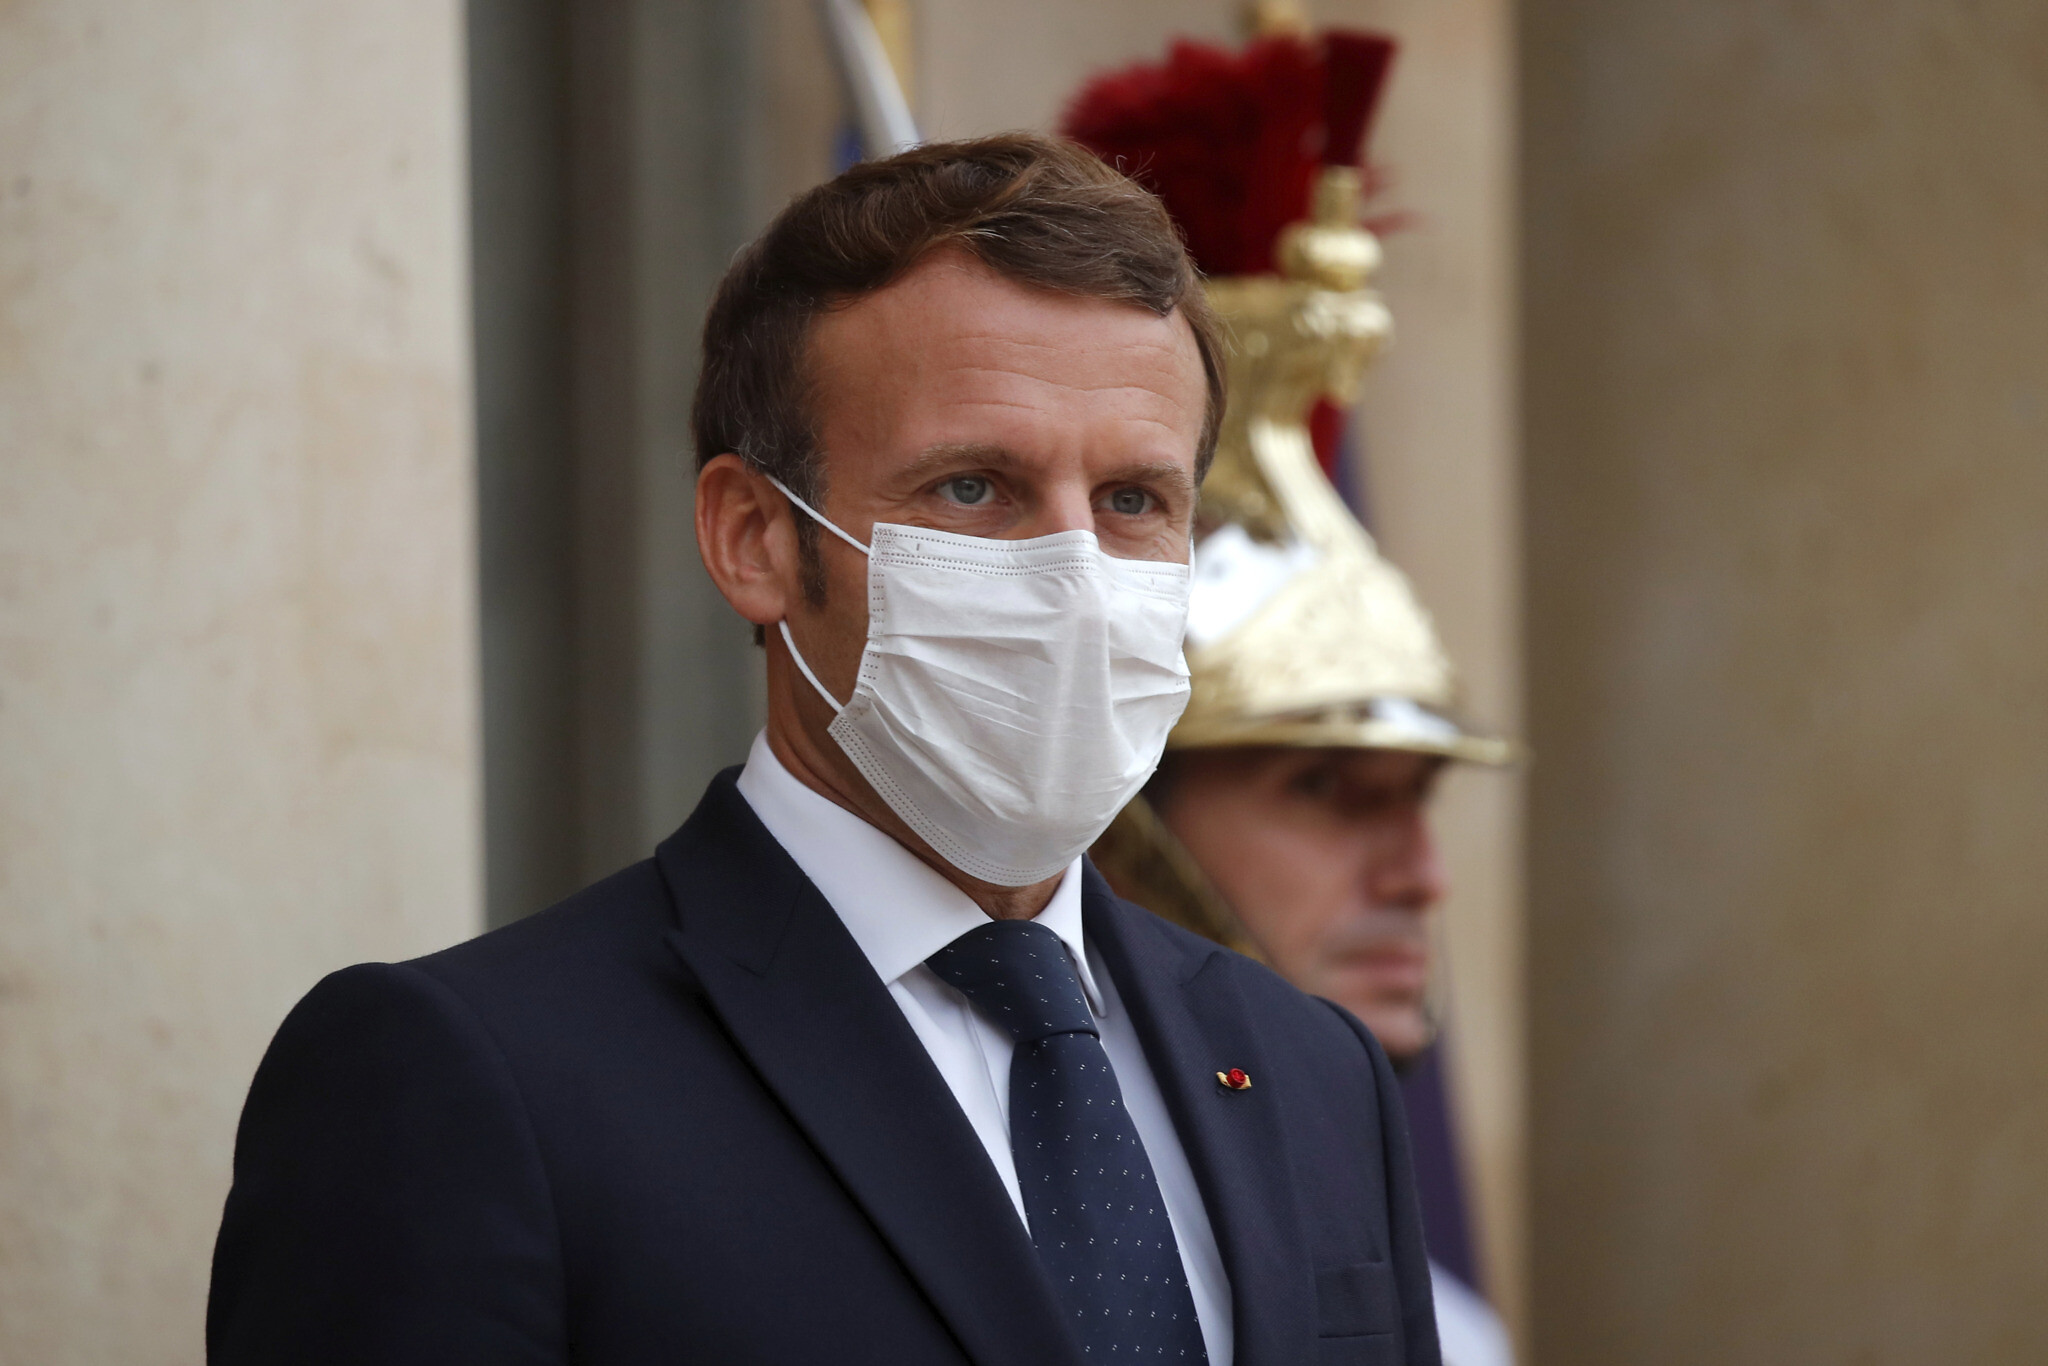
867	1064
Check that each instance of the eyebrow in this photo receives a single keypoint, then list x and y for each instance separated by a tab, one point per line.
937	459
1158	472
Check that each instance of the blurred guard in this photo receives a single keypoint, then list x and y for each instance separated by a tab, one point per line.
1289	816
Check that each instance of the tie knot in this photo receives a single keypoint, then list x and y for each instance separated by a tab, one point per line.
1017	975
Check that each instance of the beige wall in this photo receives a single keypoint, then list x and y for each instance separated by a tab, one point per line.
236	726
1439	414
1787	346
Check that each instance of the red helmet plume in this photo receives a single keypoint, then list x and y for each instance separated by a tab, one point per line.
1231	141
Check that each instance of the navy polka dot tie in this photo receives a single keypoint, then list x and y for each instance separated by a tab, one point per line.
1089	1193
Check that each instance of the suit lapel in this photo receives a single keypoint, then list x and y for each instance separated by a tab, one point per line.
1193	1024
805	1008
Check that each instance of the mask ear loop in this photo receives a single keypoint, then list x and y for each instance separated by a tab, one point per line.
783	625
816	515
805	669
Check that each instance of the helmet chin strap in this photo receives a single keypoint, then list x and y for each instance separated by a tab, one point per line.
1433	1028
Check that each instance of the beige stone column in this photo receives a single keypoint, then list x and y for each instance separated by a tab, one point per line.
237	727
1787	352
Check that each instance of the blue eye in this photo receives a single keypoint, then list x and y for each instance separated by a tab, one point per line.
968	490
1130	502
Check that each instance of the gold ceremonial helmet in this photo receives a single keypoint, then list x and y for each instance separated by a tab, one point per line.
1300	632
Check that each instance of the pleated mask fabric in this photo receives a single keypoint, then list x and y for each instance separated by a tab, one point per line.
1012	695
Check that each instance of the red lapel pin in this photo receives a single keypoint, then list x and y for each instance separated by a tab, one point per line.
1237	1079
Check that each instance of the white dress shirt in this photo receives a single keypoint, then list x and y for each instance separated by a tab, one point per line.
901	912
1468	1332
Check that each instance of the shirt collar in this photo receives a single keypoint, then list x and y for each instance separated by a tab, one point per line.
897	907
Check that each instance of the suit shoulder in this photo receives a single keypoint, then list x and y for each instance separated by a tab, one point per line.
361	1017
603	928
387	1183
375	1029
1273	1000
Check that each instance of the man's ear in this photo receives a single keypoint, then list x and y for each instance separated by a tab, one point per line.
747	540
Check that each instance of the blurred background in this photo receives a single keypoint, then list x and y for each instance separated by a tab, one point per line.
348	602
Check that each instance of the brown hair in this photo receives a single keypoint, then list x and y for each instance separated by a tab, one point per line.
1039	211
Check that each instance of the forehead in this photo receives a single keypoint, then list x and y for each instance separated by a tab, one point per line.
953	348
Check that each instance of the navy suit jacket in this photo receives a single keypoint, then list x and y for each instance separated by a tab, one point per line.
679	1119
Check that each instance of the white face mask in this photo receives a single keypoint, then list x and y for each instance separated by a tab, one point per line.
1013	694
